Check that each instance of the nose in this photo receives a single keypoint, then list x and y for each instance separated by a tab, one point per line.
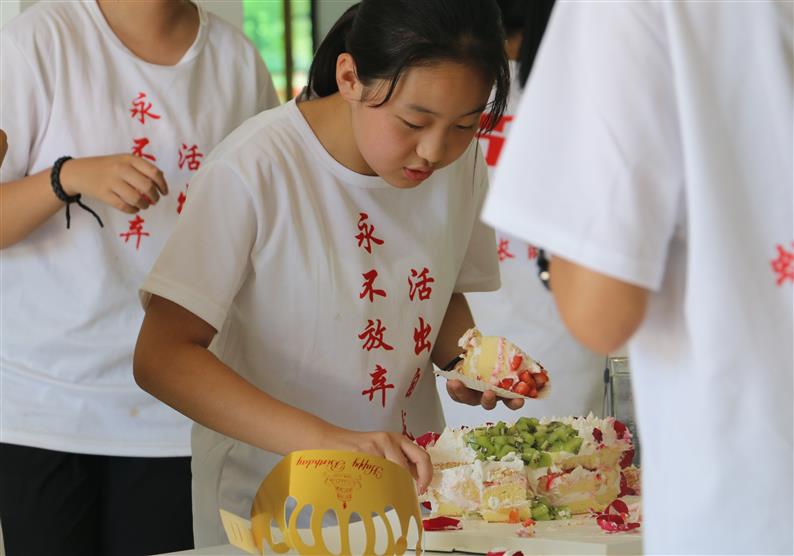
432	148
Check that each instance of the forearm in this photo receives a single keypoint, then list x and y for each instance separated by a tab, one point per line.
457	321
189	378
25	204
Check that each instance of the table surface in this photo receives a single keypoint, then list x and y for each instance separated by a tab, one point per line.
229	550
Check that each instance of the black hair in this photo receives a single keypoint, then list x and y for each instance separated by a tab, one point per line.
514	14
386	38
538	13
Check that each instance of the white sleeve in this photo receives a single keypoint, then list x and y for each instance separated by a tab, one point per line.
26	108
267	92
207	257
592	170
480	269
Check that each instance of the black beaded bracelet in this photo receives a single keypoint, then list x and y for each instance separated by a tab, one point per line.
57	188
543	269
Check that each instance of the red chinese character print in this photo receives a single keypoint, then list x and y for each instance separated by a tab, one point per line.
365	236
379	384
419	284
141	109
190	156
136	229
405	425
140	144
373	336
421	334
532	252
495	138
503	250
783	265
368	287
414	382
180	200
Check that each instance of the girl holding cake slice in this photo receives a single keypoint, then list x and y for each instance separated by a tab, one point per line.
324	252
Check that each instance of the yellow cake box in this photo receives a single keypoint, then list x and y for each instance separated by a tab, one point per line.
381	494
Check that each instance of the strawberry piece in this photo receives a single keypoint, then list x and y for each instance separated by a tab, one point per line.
515	362
620	428
627	458
525	376
506	383
441	523
429	438
625	489
598	435
523	389
533	392
540	379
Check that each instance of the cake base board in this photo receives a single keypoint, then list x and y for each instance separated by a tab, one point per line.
579	535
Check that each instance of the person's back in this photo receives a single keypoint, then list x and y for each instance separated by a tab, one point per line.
664	161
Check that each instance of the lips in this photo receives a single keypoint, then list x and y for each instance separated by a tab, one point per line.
417	175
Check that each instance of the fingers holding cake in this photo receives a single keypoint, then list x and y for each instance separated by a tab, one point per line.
494	367
392	446
488	399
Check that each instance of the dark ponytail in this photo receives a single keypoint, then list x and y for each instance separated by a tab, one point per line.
386	38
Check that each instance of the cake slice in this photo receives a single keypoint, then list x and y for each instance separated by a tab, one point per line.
499	363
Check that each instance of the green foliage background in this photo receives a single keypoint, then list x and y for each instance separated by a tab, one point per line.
263	23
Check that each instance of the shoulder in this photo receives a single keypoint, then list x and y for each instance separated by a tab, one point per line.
46	25
267	140
226	38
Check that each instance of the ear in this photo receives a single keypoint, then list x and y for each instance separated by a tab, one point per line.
350	87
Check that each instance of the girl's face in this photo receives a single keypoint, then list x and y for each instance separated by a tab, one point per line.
429	121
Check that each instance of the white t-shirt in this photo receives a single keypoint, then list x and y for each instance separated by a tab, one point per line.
654	145
327	288
524	311
70	312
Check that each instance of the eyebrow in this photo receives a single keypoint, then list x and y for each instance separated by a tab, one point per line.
424	110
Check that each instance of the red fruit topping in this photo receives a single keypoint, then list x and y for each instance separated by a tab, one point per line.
615	523
619	506
625	489
427	439
540	379
627	458
515	362
620	428
427	505
528	522
441	523
598	435
523	389
533	392
512	517
614	516
506	383
525	376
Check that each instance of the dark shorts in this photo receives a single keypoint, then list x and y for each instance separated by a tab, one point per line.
59	503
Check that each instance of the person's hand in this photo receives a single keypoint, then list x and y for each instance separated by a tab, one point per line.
3	146
123	181
391	446
462	394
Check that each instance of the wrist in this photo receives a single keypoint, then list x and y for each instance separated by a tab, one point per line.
68	177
